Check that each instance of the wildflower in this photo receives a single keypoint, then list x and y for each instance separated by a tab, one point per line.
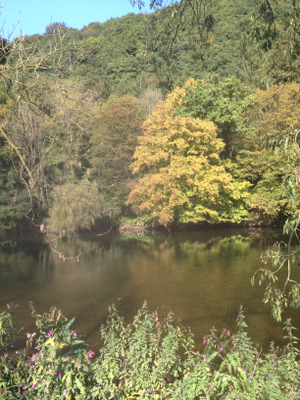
79	366
74	334
11	306
228	333
66	359
65	393
204	359
150	391
204	340
91	354
32	357
50	333
4	332
222	348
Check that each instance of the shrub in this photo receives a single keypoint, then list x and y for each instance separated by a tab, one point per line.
150	358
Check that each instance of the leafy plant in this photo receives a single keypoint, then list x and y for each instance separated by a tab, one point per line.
150	358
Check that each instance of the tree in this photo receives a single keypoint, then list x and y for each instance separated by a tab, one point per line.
115	133
278	127
275	115
56	27
181	176
75	207
224	103
25	90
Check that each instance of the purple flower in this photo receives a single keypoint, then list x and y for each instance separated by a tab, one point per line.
228	333
222	348
50	333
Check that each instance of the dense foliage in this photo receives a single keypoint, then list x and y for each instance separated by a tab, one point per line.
73	106
150	358
183	179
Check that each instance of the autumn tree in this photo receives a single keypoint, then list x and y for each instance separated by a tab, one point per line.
181	178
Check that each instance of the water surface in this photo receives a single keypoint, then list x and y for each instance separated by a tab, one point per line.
203	277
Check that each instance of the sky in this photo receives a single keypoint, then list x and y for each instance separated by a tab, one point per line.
27	17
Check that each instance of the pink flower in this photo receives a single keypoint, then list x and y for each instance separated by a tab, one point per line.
65	393
74	334
204	359
222	348
79	366
11	306
50	333
228	333
91	354
204	340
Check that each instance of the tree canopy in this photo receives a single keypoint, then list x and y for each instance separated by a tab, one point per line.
183	179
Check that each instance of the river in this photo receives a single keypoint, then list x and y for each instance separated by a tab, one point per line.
203	277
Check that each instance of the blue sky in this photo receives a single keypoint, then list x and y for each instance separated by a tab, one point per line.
35	15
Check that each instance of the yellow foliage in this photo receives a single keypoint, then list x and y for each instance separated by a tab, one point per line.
182	176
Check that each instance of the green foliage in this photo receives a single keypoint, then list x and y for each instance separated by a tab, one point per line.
222	102
183	179
285	255
65	108
150	358
14	200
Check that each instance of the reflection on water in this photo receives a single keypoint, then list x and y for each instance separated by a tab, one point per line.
203	277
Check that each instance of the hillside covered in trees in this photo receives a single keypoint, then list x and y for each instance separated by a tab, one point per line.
186	115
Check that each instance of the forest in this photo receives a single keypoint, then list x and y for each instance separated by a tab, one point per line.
186	115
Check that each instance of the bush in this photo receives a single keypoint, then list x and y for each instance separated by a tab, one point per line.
150	358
